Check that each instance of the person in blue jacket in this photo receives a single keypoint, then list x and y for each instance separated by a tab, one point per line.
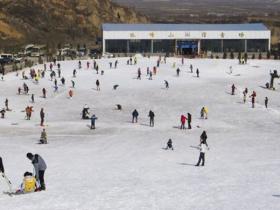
93	119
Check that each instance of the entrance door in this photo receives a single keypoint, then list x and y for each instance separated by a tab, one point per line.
187	47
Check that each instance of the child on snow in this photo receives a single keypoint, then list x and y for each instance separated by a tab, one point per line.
28	184
169	145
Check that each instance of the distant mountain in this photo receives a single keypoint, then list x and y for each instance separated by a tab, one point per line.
53	21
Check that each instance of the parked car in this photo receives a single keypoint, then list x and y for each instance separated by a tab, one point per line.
94	53
6	58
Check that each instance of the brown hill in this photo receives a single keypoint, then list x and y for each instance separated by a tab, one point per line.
58	21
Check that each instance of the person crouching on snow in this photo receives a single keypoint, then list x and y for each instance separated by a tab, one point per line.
43	139
169	145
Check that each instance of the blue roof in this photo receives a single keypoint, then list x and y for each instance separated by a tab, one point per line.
185	27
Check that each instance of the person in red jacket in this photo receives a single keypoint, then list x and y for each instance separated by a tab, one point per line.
253	96
183	121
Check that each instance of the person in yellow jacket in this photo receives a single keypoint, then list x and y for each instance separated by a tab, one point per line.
206	112
28	184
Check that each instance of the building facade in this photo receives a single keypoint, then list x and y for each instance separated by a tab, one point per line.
185	38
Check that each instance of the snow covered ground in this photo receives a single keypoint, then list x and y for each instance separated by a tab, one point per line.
121	165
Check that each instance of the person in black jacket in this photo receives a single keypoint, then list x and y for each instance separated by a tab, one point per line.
203	138
189	121
135	116
169	145
152	118
1	166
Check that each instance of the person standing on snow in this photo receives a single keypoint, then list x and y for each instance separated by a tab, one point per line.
189	121
7	104
2	170
44	92
253	96
139	74
245	95
203	147
135	115
203	138
169	145
40	167
152	118
42	116
166	84
93	119
266	102
97	85
70	93
178	72
191	68
197	72
183	122
74	73
233	89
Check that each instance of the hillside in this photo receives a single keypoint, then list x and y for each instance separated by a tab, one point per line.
53	21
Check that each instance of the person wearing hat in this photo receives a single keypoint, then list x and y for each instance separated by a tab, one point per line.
40	167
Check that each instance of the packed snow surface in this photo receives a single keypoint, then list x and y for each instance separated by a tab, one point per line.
121	165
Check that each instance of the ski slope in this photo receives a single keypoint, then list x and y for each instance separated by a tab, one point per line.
121	165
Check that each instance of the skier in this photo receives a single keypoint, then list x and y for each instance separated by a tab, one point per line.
42	116
44	92
80	64
63	81
139	74
7	104
32	98
245	95
166	84
43	138
2	170
203	149
183	121
93	119
97	85
110	63
135	116
182	61
178	72
40	168
169	145
203	138
233	89
253	96
197	72
266	102
152	118
74	73
73	83
189	121
202	113
88	65
116	64
59	73
19	90
191	68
